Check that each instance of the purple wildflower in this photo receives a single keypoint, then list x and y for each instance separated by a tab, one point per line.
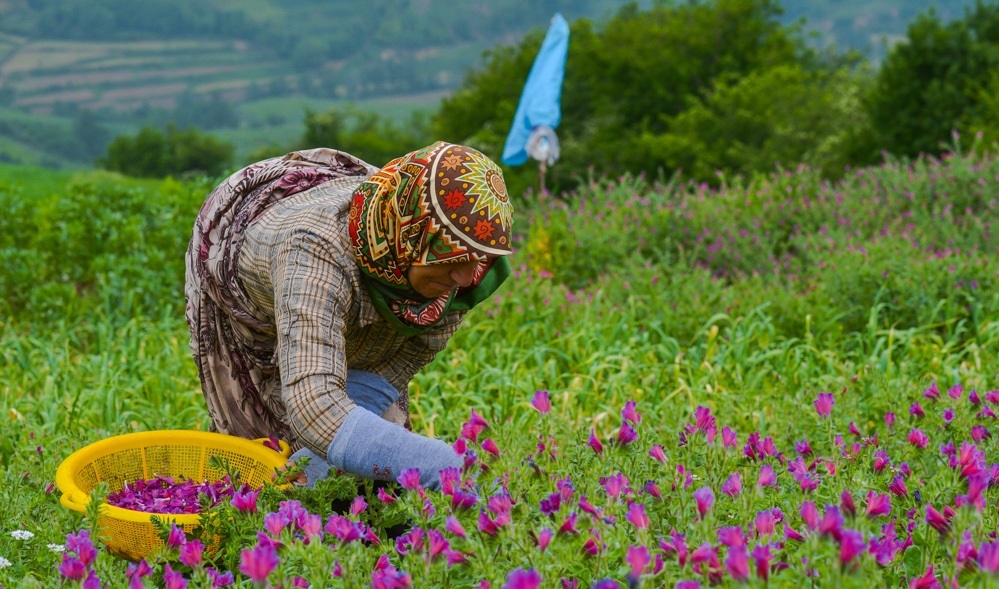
824	404
595	443
545	538
762	557
851	545
704	498
637	517
626	434
927	581
638	558
454	526
767	478
877	505
988	557
173	579
258	562
729	437
937	520
897	487
630	413
732	485
541	402
737	563
918	438
72	568
731	536
881	460
191	553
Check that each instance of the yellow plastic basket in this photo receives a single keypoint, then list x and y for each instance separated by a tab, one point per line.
176	453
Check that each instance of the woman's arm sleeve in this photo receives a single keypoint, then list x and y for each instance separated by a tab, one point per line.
416	352
311	294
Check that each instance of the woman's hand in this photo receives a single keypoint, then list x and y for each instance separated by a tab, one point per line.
290	473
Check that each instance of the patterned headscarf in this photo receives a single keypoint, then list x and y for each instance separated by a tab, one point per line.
441	204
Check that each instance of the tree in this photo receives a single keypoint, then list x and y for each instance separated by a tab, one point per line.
152	154
933	81
629	79
784	115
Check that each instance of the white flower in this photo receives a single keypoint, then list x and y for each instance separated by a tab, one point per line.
4	563
22	534
57	548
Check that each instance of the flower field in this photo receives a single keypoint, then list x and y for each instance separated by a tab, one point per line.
782	382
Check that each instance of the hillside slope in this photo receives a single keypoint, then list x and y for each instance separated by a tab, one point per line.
203	62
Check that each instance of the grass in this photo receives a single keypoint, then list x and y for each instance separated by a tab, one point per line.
698	346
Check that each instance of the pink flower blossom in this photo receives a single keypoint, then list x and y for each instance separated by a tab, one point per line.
918	438
245	501
544	538
824	404
729	438
937	520
847	504
877	505
897	487
191	553
471	429
988	557
762	557
595	443
358	506
258	562
731	536
386	576
173	579
72	568
810	515
737	563
410	478
626	434
851	546
704	498
521	579
569	525
454	526
489	445
658	453
638	558
636	515
927	581
732	485
881	460
767	478
541	402
676	544
630	413
766	524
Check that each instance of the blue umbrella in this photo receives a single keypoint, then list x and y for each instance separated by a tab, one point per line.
538	113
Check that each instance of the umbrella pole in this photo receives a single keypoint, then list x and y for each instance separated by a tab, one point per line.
541	177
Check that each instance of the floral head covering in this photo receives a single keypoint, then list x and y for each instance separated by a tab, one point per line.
440	204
